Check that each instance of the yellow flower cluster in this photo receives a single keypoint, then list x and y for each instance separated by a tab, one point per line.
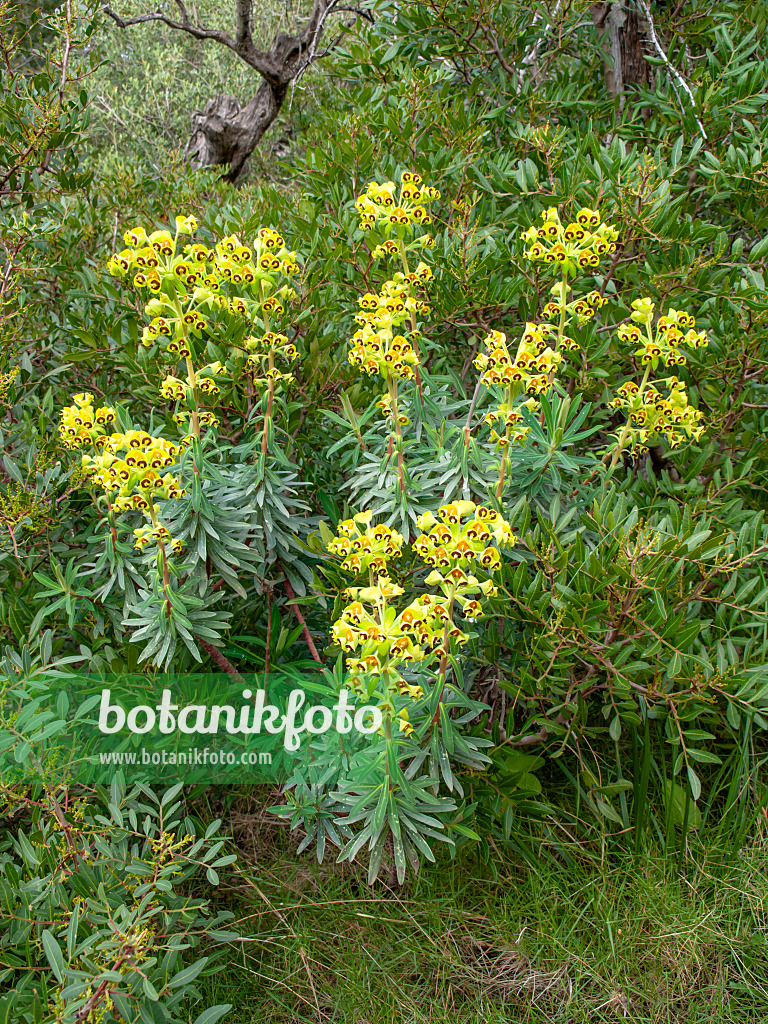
382	345
247	282
262	353
6	379
383	637
176	389
531	370
81	424
663	345
450	542
392	207
575	246
583	309
376	347
127	466
161	268
461	535
362	546
652	416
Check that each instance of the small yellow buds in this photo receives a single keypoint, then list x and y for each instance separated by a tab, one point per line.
642	311
186	225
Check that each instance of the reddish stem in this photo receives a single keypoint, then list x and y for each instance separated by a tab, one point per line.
223	662
300	617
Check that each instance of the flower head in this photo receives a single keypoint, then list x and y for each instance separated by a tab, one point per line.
579	245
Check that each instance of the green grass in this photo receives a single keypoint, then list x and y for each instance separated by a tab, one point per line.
641	943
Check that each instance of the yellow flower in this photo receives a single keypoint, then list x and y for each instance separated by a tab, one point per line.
580	244
404	724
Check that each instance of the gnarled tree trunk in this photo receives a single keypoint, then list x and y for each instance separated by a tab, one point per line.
225	133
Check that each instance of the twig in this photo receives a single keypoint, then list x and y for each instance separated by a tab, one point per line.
304	627
223	662
681	81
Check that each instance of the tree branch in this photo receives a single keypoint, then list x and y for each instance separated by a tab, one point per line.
225	133
243	37
676	76
242	45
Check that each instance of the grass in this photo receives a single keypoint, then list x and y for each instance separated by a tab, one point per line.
640	942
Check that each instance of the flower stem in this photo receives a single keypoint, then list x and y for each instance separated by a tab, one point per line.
414	342
392	387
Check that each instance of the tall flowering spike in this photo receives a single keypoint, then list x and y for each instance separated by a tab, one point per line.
379	347
386	342
385	639
579	245
511	378
189	281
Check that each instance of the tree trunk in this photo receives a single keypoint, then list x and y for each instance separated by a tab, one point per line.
226	133
627	37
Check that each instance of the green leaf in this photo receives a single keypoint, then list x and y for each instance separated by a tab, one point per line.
188	975
149	990
678	797
53	954
72	930
695	783
213	1013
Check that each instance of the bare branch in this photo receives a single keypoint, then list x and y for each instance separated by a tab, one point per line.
242	46
243	37
226	133
670	67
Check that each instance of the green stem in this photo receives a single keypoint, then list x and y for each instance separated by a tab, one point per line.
563	303
191	376
161	546
446	647
271	364
392	388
